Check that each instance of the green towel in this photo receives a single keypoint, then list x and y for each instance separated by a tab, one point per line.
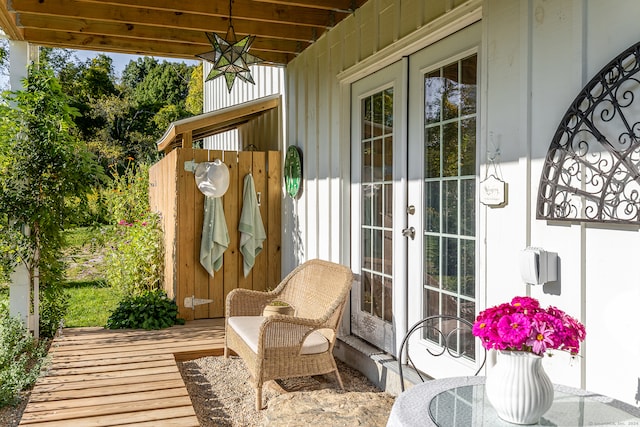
252	232
215	237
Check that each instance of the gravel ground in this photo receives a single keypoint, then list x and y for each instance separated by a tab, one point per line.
10	415
222	394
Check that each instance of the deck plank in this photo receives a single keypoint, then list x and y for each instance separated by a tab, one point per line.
45	396
100	377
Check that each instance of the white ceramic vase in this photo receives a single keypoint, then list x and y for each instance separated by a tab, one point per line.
519	388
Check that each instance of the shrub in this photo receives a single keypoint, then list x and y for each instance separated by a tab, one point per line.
135	258
54	302
151	310
127	196
42	165
21	358
88	211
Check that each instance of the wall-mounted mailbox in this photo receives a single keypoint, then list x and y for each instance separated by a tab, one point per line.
538	266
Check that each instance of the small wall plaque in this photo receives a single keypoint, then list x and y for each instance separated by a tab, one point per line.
493	191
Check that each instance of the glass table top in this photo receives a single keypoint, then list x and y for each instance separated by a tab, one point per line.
468	406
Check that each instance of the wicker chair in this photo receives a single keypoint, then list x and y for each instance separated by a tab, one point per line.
280	346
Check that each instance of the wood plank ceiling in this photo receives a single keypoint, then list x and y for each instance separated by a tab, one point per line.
172	28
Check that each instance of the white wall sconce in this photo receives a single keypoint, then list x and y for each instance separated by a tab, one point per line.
538	266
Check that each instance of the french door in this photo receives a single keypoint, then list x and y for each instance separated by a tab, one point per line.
414	200
378	171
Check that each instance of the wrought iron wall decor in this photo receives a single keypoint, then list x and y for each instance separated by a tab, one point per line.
592	170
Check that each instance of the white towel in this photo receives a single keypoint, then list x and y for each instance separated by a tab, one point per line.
252	232
215	236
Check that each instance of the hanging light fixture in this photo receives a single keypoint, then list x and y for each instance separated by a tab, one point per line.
230	57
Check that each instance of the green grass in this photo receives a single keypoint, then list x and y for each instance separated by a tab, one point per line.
91	299
85	236
90	303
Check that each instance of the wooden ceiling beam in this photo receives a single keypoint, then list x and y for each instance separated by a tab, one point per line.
242	9
344	6
8	22
147	32
132	46
129	15
172	28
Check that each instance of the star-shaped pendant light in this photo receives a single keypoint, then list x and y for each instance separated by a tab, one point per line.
230	57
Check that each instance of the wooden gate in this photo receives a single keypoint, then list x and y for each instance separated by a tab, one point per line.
173	193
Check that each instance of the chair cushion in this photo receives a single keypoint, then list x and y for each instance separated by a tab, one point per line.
248	328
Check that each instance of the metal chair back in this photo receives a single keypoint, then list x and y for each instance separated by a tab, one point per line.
453	335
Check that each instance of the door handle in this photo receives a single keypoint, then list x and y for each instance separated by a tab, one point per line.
409	232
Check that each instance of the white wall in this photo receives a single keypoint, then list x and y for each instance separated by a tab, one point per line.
539	55
269	81
536	56
318	113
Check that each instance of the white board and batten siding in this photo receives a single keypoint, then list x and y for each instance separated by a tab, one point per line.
538	56
317	224
534	58
269	81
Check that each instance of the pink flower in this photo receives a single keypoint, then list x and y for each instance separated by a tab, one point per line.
525	302
540	339
514	329
523	325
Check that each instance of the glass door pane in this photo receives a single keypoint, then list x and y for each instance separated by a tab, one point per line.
449	192
377	197
378	194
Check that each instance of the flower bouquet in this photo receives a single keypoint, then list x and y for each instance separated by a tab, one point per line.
523	325
518	387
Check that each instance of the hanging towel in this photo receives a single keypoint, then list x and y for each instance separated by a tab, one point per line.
252	232
215	236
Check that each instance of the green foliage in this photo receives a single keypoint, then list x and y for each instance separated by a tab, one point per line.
10	241
194	101
118	119
90	211
166	115
54	302
4	56
127	196
150	310
154	84
21	358
135	259
42	164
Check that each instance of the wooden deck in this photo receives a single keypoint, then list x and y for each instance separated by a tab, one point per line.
100	377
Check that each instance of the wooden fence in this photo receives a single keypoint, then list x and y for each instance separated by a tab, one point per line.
173	193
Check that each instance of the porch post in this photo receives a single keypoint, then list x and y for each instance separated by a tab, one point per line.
20	55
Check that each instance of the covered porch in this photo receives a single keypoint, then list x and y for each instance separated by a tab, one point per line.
101	377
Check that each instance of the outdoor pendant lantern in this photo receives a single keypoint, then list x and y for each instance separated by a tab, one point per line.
230	57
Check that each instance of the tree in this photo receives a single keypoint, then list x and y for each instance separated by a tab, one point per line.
194	100
42	162
122	120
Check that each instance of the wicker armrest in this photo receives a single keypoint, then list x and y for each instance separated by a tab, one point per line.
246	302
286	331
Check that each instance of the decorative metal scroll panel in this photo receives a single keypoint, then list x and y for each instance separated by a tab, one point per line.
591	172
